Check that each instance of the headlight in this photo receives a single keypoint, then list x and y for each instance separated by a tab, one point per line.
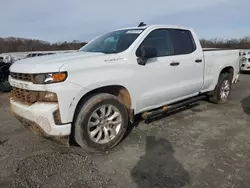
49	78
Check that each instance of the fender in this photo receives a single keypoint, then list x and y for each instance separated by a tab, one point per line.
86	91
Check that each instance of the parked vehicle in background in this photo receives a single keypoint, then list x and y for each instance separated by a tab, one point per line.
10	59
37	54
4	74
5	63
245	64
94	93
1	59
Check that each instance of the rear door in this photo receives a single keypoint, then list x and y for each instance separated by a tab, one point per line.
190	59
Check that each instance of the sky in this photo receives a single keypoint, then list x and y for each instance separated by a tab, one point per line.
67	20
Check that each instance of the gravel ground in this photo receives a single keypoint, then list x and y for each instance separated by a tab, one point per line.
207	145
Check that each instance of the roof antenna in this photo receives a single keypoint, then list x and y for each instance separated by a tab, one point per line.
141	24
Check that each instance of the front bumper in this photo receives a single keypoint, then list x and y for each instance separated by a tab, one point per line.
39	117
66	92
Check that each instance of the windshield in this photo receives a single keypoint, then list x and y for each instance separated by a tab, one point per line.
113	42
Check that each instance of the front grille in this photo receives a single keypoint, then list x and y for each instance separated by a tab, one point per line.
21	76
24	96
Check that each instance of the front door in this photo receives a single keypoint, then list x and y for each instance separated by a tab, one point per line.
158	82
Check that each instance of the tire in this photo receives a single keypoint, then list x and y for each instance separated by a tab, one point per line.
217	96
81	128
5	86
2	64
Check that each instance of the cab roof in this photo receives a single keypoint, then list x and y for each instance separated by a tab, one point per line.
156	27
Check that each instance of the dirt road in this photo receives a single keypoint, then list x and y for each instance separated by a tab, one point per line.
205	146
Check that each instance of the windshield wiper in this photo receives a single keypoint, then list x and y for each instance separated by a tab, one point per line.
99	51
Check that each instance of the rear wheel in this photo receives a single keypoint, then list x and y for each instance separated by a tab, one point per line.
222	91
100	123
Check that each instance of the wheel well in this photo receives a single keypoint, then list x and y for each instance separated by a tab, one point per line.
229	70
121	92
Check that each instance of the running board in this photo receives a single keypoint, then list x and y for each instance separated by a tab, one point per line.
164	109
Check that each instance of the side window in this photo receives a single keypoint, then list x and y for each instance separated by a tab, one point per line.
183	41
161	40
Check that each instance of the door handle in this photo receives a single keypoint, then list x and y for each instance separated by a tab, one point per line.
198	60
174	64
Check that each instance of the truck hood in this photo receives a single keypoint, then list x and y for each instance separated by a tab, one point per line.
49	63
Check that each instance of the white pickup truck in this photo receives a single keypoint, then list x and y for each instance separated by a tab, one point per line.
94	94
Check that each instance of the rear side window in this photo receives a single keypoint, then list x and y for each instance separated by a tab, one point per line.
183	41
168	42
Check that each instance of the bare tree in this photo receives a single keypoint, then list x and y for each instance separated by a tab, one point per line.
12	44
243	43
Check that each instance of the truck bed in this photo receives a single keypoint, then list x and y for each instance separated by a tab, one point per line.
216	58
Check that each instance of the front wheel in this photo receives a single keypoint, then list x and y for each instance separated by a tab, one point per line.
222	91
100	123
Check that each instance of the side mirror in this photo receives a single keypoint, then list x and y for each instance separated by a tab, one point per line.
146	52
